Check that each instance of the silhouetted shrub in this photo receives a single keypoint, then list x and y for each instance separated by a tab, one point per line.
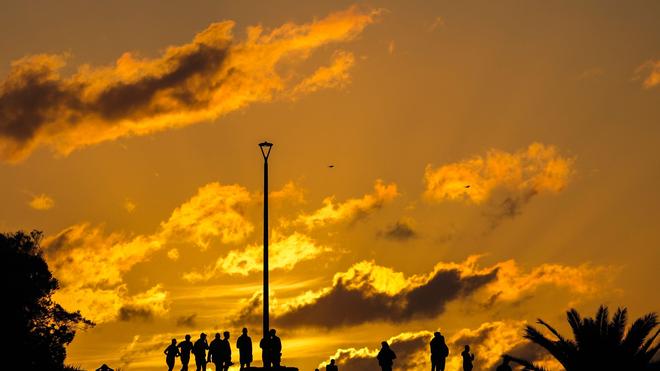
37	329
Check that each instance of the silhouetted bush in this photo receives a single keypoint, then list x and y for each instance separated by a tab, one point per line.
36	328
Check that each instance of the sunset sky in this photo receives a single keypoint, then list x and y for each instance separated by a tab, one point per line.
494	162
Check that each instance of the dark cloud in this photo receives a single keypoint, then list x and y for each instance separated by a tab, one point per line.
399	231
528	351
408	349
352	300
189	83
35	99
187	321
508	206
130	313
250	312
489	342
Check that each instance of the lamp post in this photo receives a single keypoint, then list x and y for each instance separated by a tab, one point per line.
265	151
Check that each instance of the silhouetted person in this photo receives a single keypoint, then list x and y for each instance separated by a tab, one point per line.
184	351
225	351
104	367
332	366
199	350
171	352
386	357
468	358
439	352
215	352
264	344
505	365
244	345
275	345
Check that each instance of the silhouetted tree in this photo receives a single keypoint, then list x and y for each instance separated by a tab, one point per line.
37	329
602	344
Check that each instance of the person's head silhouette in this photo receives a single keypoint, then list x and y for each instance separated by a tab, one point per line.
202	336
173	341
272	332
217	335
226	334
332	362
244	331
467	348
188	337
384	344
437	334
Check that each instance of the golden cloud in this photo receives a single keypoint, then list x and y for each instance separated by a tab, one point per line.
91	264
367	292
333	76
536	169
284	253
215	211
190	83
652	71
410	349
584	280
129	206
351	209
42	202
290	191
488	342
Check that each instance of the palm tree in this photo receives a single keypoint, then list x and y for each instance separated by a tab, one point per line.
602	344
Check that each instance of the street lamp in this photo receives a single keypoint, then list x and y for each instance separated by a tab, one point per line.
265	151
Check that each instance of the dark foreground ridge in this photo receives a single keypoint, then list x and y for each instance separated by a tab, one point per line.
283	368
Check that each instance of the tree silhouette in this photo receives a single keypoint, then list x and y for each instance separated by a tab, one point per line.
37	328
602	344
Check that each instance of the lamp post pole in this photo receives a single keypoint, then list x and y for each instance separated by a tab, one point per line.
265	151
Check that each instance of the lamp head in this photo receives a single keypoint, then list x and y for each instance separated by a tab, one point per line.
265	149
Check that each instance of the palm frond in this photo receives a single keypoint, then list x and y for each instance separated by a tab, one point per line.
551	329
618	326
602	320
638	332
552	347
575	321
527	364
649	342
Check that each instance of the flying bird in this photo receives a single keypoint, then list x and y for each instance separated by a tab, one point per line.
467	186
331	166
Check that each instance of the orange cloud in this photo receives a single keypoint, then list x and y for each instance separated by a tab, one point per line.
333	76
190	83
367	292
42	202
351	209
584	280
90	267
91	264
652	71
284	253
290	191
538	168
488	342
129	206
215	211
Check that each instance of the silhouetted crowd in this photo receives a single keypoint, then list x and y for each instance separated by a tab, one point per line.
219	353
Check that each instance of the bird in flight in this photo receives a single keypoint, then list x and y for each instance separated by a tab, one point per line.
467	186
331	166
